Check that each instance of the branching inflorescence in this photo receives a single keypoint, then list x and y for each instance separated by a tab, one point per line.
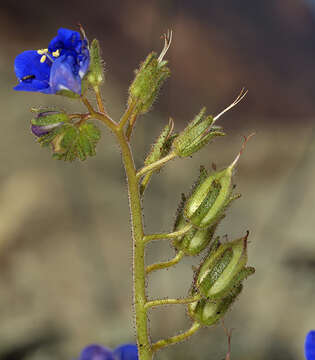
71	67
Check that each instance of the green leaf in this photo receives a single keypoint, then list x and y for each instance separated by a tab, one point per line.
70	142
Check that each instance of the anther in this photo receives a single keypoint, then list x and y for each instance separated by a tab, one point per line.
56	53
43	58
42	51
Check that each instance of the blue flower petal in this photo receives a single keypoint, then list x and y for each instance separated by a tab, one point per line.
32	74
96	352
126	352
66	39
64	76
309	347
62	70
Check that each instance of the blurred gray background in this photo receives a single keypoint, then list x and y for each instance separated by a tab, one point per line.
65	248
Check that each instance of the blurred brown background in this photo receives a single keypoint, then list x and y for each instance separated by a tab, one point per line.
65	250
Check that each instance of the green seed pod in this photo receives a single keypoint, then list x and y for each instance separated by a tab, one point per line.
210	198
196	135
207	312
95	75
195	240
223	269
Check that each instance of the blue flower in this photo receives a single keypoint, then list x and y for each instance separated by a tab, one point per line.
309	347
61	66
98	352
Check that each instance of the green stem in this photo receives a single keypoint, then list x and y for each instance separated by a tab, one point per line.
172	301
156	164
172	235
177	338
139	275
144	182
127	115
99	100
144	346
131	124
166	264
99	116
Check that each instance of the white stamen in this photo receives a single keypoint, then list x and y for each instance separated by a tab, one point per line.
240	97
167	43
81	74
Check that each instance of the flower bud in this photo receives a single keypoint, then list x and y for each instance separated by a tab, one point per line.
196	135
159	149
149	79
47	121
207	312
163	144
147	83
95	75
223	269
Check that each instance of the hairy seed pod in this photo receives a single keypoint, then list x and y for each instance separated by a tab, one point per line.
199	132
211	197
223	269
208	312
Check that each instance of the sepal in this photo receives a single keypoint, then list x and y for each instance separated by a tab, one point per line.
199	132
162	145
159	149
46	121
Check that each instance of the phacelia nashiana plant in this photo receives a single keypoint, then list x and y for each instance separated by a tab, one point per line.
70	66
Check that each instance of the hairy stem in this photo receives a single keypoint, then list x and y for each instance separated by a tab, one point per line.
156	165
159	302
99	100
127	116
166	264
172	235
139	275
99	116
177	338
144	347
131	124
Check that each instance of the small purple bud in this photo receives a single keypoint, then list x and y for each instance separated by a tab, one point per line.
40	130
96	352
